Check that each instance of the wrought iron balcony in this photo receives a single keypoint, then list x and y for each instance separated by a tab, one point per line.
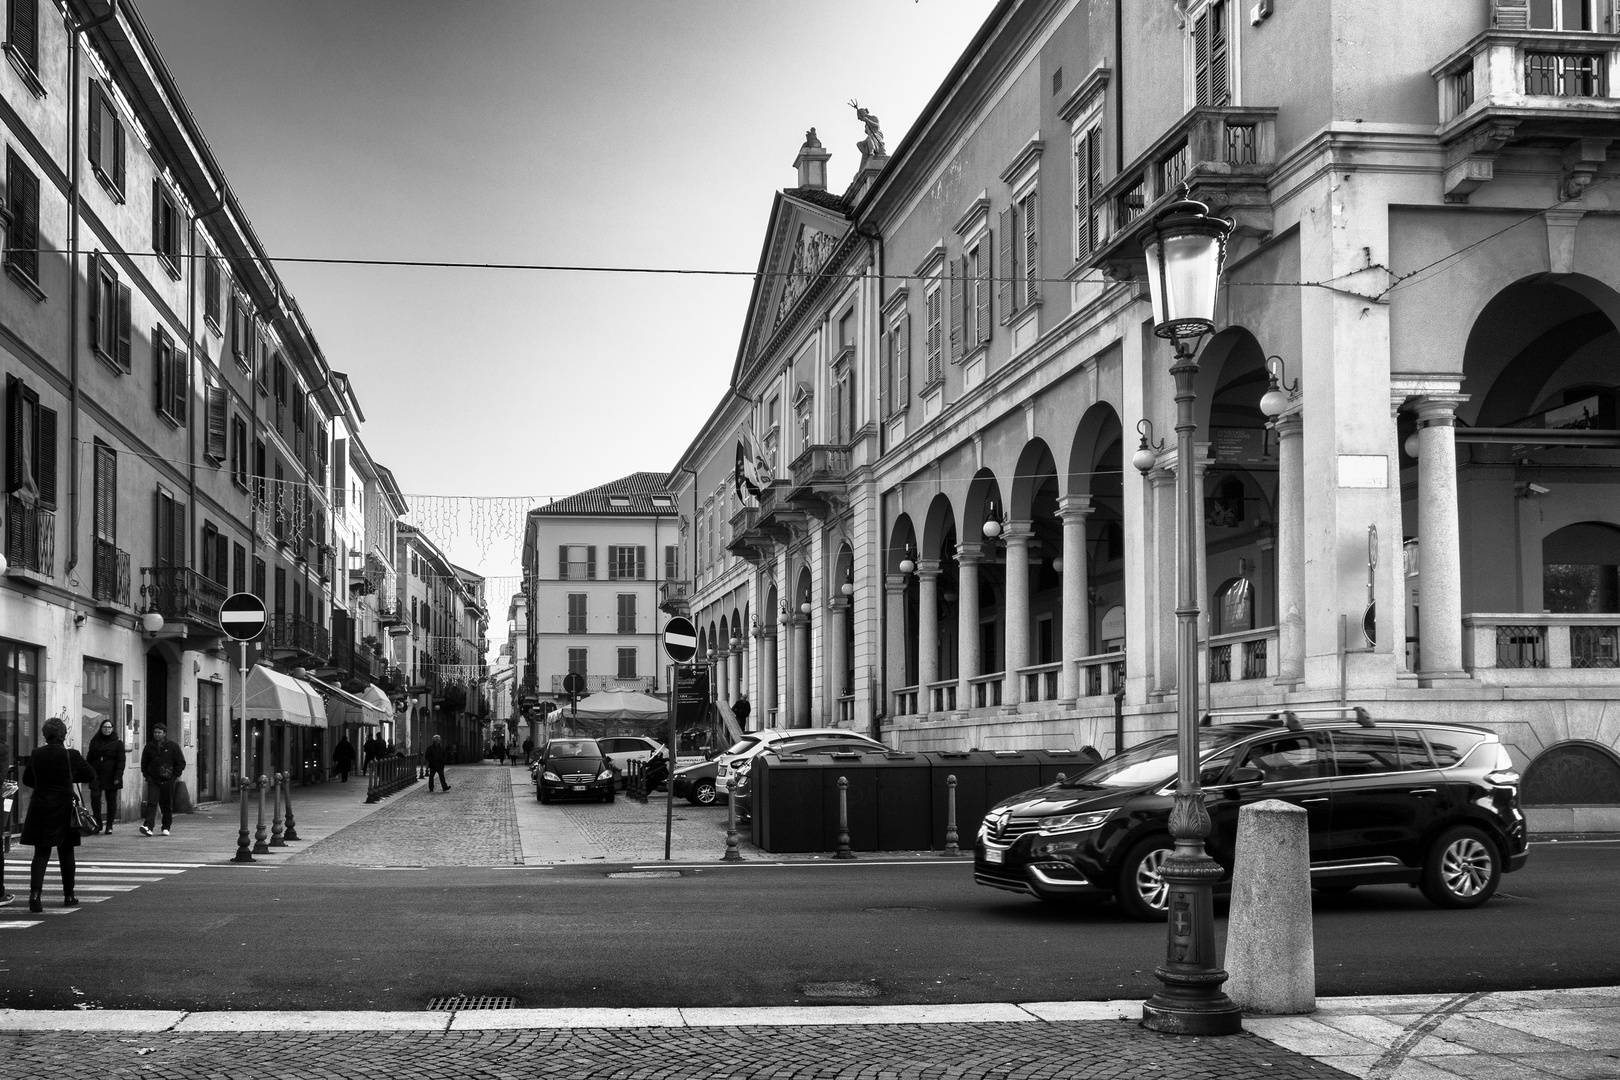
599	683
675	594
303	636
188	602
30	541
109	585
1550	87
1222	153
748	541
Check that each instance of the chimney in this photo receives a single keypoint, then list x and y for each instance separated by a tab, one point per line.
812	163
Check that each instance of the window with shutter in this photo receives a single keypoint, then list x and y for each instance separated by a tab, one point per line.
218	423
106	316
259	474
641	563
576	613
562	562
22	32
165	228
238	568
106	505
958	276
239	452
163	530
126	334
45	456
281	590
576	662
105	140
590	562
1028	214
627	613
258	578
1006	272
1211	76
627	663
935	319
981	289
672	562
210	545
22	234
340	473
902	363
211	294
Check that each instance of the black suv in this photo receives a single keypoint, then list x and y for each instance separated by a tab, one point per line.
1435	805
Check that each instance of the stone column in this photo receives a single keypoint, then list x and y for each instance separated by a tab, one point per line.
1015	654
767	678
741	686
802	626
967	623
1073	511
1392	530
927	631
727	672
1440	586
1290	549
1162	481
894	638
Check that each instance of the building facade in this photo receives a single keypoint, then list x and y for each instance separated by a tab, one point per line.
443	658
1406	421
594	567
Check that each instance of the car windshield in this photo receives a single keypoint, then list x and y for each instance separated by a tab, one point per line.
573	748
1152	762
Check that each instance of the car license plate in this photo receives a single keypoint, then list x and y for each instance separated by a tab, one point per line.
991	855
579	787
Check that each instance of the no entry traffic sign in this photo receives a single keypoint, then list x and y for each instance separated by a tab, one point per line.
241	615
680	639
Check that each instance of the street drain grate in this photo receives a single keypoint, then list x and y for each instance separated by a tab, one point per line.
457	1002
645	873
840	990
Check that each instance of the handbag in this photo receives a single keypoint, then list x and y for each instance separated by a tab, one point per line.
82	820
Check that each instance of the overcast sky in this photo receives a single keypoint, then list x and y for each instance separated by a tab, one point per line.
592	132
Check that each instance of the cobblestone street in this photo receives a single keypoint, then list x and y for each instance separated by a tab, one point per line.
1103	1050
472	824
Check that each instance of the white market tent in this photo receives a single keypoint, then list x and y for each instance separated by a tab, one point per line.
274	696
621	705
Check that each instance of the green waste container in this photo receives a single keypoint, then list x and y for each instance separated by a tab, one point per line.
787	804
904	818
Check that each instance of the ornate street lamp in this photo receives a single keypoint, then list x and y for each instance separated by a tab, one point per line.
908	561
1147	451
848	587
1275	399
992	524
1184	248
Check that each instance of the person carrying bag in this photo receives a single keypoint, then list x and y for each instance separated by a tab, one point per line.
107	756
53	812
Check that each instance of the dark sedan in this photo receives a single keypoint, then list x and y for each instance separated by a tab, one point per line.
574	769
695	784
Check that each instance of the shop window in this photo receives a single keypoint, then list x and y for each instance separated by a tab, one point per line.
1234	607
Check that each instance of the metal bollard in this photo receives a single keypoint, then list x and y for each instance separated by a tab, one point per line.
374	783
733	853
843	851
244	849
291	831
260	847
277	833
951	850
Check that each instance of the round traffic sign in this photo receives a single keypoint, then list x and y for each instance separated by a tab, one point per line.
573	683
1369	624
242	616
680	639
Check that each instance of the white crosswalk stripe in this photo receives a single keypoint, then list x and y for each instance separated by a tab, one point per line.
93	883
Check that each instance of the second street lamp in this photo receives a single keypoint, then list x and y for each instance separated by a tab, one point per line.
1184	248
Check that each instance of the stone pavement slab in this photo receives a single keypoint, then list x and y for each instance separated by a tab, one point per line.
472	824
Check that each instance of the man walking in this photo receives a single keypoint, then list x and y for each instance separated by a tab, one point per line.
436	757
161	765
343	758
740	709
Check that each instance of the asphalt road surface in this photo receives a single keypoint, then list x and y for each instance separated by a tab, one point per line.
335	937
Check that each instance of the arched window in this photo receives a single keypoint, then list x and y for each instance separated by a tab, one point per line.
1573	774
1234	606
1580	571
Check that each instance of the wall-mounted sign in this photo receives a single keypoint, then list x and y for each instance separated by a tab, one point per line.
1240	446
1363	470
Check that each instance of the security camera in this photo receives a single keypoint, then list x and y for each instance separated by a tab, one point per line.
1536	489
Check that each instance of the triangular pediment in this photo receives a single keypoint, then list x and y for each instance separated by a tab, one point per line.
800	238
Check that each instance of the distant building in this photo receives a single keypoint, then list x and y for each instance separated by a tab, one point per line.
593	569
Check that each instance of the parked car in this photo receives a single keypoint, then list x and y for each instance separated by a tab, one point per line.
574	769
695	784
1390	801
623	749
815	744
756	741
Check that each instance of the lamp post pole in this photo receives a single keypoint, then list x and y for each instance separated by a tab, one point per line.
1184	250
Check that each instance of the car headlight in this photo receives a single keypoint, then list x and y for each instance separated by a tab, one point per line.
1065	823
605	774
553	777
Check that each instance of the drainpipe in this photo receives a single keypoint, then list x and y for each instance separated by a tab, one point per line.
191	364
1119	86
74	30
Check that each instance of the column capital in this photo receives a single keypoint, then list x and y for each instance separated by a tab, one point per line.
1017	532
927	568
839	603
1201	458
1438	410
1290	425
969	553
801	619
894	584
1074	507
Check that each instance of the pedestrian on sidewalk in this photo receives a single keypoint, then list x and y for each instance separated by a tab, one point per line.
436	757
528	751
343	758
52	771
8	791
106	755
740	709
161	765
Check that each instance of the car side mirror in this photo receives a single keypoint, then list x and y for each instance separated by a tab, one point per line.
1244	775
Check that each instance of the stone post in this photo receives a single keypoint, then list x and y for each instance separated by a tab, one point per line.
1290	550
1073	511
1270	949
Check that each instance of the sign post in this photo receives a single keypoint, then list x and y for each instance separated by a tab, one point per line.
242	617
680	645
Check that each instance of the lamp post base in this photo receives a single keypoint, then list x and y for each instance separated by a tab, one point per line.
1192	1009
1191	1001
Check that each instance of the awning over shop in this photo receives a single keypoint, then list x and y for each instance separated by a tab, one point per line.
343	707
274	696
374	696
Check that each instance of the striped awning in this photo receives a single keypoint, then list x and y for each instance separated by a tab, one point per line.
343	707
277	697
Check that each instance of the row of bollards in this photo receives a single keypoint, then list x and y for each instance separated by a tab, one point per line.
282	827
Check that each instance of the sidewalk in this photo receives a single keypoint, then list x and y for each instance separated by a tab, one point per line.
1515	1036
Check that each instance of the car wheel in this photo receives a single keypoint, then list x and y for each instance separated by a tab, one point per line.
1463	869
1141	890
704	794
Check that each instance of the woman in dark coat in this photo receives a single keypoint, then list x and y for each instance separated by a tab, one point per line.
52	771
343	758
106	756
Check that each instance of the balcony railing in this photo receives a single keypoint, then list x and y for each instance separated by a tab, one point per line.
1101	674
596	683
1041	681
942	695
986	689
182	595
109	583
1242	656
817	478
1540	80
846	710
298	634
1519	647
30	540
905	701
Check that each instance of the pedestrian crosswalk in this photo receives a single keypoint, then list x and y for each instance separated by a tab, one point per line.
95	882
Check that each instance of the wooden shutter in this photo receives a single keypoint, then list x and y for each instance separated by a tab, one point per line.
15	457
94	122
1030	279
106	504
118	153
45	456
641	563
125	325
160	369
162	529
157	217
178	555
902	362
211	289
22	33
222	559
1201	59
981	316
1219	81
1510	14
672	562
958	276
340	474
180	383
236	326
1006	268
562	562
239	570
590	562
96	314
22	234
218	421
